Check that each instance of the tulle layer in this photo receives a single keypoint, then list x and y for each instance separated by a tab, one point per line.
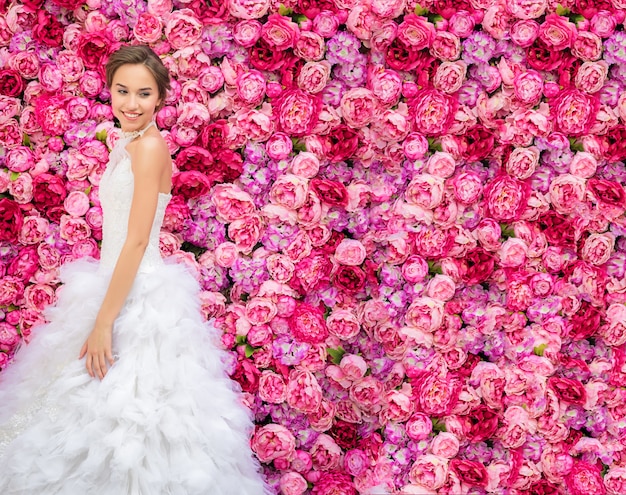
165	420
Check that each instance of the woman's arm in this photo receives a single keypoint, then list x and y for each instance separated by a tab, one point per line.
149	160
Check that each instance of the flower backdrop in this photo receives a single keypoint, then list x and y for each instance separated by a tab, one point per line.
407	219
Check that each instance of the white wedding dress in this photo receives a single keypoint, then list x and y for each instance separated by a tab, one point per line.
165	420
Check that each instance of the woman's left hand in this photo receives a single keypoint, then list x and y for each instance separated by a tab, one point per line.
98	349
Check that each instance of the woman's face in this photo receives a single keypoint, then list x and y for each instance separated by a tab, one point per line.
134	96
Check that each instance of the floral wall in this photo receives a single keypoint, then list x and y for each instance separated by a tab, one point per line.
407	219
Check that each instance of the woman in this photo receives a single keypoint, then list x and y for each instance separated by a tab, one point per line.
146	409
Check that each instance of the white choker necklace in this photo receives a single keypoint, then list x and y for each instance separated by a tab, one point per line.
135	134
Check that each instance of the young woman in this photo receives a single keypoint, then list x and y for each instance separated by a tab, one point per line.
123	391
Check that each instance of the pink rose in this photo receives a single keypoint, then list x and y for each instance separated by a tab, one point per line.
450	76
566	193
9	337
585	478
246	231
308	324
292	483
614	331
247	33
74	229
430	471
603	23
598	248
615	480
231	202
11	290
424	314
472	473
425	191
280	267
343	324
414	269
419	427
441	164
305	164
446	46
557	32
350	252
39	296
273	441
251	87
280	33
461	24
524	33
256	125
272	387
211	79
433	112
437	395
522	162
513	252
21	188
367	394
260	310
587	46
304	393
248	9
34	230
358	107
314	76
528	87
445	445
148	28
76	203
526	9
183	29
355	462
591	76
416	32
574	112
310	46
278	146
467	187
441	288
385	84
506	198
296	112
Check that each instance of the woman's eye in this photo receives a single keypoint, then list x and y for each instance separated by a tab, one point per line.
121	91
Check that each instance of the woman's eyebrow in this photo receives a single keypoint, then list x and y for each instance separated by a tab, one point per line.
140	89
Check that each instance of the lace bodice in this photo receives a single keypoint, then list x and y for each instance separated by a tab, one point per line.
116	194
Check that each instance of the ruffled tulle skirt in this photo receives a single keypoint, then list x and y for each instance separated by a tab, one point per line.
165	420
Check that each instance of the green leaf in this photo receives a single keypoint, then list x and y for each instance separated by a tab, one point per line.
249	350
240	339
539	350
282	10
25	140
560	10
438	425
14	175
336	354
434	268
419	10
507	231
101	136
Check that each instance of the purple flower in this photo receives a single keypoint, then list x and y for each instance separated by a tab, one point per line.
342	48
478	47
615	48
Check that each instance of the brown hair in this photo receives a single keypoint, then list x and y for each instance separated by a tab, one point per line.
139	54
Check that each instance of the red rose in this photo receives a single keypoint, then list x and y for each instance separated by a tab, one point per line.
484	423
208	9
331	192
312	271
585	322
559	230
584	479
290	70
402	57
11	83
212	136
11	219
190	184
545	488
568	390
343	142
345	434
25	264
471	472
247	375
447	8
32	4
230	164
48	191
334	483
607	192
195	158
264	57
307	324
477	144
349	278
589	8
94	48
617	376
48	30
480	265
615	140
541	57
310	8
69	4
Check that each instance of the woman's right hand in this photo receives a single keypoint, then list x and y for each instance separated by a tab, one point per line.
98	350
